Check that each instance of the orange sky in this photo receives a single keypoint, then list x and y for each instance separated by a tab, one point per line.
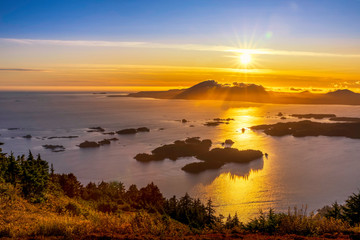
106	65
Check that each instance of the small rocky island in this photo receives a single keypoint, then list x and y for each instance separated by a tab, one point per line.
96	129
313	115
308	128
133	130
92	144
69	137
194	147
54	148
218	121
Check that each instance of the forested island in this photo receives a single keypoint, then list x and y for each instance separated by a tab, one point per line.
308	128
194	147
37	203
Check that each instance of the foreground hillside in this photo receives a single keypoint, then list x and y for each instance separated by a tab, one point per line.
36	203
61	217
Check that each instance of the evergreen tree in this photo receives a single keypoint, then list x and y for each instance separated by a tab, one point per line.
352	209
335	211
35	176
210	212
70	185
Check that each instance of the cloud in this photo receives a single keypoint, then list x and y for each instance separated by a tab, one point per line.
21	70
292	53
193	47
85	43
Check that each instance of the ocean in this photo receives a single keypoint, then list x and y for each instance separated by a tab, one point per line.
307	172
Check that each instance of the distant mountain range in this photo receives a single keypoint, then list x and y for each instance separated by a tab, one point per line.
212	90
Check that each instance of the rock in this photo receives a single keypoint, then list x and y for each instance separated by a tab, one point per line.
112	139
127	131
109	133
104	142
212	124
96	129
54	148
184	121
144	157
133	130
63	137
223	119
88	144
229	142
283	118
313	115
12	129
280	114
143	129
198	167
345	119
27	136
1	143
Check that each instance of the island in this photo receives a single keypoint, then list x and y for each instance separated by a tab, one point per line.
309	128
313	115
345	119
96	129
218	157
92	144
194	147
218	121
133	130
54	137
212	90
54	148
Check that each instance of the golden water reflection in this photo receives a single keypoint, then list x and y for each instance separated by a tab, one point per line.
244	188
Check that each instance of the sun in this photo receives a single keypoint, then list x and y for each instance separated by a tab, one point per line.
245	58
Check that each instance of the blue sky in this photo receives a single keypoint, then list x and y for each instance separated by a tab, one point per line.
185	20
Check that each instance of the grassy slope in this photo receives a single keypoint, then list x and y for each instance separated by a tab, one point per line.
62	217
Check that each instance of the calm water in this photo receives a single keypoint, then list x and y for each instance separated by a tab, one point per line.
311	171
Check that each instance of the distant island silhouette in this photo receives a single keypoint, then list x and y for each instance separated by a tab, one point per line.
212	90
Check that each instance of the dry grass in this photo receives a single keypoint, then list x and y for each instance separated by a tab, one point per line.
62	217
70	218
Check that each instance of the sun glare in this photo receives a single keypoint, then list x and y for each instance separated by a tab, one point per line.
245	58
